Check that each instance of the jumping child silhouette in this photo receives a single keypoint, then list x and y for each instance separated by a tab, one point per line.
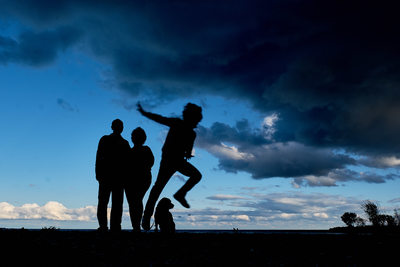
176	151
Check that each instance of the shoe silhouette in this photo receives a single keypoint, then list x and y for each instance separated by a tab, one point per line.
181	199
146	223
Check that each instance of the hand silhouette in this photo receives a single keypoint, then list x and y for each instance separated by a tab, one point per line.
140	108
188	156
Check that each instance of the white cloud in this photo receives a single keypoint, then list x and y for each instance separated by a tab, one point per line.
313	180
381	162
287	210
242	217
52	210
268	126
290	201
322	215
287	215
6	211
230	152
390	161
225	197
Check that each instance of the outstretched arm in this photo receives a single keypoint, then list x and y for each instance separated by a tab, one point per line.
155	117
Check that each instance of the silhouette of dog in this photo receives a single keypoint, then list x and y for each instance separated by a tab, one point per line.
163	217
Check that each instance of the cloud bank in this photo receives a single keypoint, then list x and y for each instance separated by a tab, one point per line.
328	70
252	209
272	211
52	210
254	152
37	48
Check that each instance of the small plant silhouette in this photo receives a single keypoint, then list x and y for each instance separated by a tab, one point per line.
50	228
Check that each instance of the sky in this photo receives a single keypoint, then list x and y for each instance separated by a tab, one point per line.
300	99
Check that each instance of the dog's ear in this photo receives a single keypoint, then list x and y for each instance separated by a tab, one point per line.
166	202
163	203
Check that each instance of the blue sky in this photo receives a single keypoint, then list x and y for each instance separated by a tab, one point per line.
291	138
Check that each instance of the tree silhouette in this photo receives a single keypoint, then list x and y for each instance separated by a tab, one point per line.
375	217
349	218
397	217
372	211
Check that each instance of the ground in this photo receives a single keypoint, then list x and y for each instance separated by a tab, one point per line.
53	247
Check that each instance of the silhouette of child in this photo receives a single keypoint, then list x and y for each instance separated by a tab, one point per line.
176	151
138	181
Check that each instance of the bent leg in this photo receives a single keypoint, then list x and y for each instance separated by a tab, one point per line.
187	169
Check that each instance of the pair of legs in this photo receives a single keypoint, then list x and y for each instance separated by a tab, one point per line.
167	169
117	199
134	195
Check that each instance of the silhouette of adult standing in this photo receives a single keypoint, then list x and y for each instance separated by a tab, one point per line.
141	160
112	153
176	151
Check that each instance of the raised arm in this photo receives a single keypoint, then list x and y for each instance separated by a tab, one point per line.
155	117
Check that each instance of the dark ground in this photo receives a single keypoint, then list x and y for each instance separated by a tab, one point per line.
90	248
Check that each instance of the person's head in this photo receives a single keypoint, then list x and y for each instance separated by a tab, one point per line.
117	126
138	136
192	114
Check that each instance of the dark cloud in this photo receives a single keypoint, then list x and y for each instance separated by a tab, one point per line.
330	69
180	177
241	134
66	105
342	175
37	48
241	148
